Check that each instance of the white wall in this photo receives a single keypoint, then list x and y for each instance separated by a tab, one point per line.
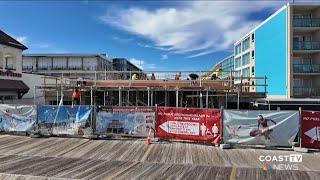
32	80
15	53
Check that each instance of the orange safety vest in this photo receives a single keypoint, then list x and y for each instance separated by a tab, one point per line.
76	93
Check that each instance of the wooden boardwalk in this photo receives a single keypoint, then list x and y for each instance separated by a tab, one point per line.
71	158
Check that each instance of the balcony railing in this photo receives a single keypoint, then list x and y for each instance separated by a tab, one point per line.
306	68
306	45
306	22
58	68
305	91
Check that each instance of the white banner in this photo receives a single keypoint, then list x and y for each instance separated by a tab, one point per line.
273	128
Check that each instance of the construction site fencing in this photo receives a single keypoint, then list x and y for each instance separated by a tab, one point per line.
65	120
188	124
17	118
279	128
244	127
128	120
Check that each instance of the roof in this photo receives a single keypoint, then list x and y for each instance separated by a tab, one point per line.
67	55
13	85
10	41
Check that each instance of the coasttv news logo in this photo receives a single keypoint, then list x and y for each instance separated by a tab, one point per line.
281	162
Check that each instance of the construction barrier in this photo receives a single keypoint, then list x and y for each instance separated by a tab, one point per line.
68	120
310	129
279	128
188	124
17	118
131	120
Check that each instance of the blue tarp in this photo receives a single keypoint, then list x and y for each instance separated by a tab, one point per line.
17	118
63	119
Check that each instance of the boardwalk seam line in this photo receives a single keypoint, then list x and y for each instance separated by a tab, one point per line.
144	157
120	171
233	173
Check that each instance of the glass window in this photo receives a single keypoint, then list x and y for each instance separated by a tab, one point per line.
306	83
246	72
9	62
296	82
252	37
237	62
238	48
246	44
252	54
245	59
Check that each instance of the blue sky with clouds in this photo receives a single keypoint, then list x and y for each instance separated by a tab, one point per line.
155	35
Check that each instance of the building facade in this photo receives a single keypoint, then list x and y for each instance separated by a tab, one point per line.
286	49
11	79
74	65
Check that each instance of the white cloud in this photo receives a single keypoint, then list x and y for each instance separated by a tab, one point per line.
21	39
195	29
142	65
164	56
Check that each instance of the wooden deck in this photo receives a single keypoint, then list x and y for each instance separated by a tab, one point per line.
71	158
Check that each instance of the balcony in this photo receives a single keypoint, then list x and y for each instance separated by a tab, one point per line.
306	45
306	68
306	22
306	92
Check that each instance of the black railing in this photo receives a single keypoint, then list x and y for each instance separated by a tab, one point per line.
306	91
306	45
306	68
306	22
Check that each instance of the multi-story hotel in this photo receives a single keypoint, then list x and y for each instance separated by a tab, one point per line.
74	65
286	49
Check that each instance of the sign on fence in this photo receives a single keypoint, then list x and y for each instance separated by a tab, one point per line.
188	124
310	128
64	120
274	128
125	120
17	118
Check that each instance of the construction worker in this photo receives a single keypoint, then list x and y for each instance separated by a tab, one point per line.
76	96
134	77
178	75
215	74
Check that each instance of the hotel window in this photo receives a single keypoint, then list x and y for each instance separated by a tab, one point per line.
237	62
246	72
237	74
252	37
238	48
252	54
245	59
246	44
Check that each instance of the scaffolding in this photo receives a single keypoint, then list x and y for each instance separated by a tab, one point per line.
116	88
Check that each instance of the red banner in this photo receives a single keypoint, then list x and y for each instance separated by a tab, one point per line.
310	127
188	124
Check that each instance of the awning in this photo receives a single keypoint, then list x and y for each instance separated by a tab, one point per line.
13	85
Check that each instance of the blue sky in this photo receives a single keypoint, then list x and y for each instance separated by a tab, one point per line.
156	35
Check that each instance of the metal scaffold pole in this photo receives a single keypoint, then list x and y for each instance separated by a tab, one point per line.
120	97
207	99
148	88
177	97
